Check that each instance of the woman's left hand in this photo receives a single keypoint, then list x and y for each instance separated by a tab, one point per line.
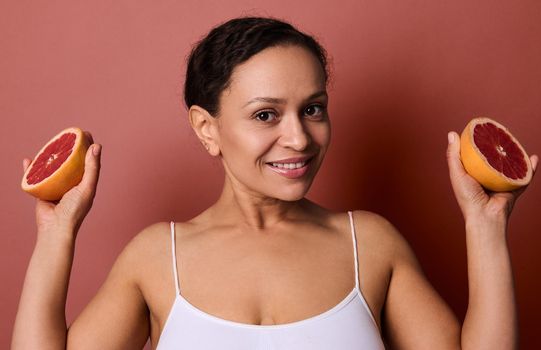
476	202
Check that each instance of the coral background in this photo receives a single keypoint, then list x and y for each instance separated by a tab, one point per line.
404	73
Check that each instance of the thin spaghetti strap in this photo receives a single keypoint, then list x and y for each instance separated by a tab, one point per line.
354	239
173	253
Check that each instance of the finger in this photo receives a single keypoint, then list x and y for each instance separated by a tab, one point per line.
534	159
453	154
457	173
26	163
92	171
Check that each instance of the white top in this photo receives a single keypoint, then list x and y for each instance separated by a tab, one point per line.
348	325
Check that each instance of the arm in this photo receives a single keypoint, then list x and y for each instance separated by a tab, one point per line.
40	320
117	316
416	317
491	318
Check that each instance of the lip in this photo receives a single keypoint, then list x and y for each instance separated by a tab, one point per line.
292	173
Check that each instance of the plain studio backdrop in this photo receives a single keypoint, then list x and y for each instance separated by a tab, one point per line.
404	73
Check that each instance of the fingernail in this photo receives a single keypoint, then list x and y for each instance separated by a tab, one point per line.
451	137
96	150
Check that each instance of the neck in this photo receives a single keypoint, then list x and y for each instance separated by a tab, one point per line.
241	207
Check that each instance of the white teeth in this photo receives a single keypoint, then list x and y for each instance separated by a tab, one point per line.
289	165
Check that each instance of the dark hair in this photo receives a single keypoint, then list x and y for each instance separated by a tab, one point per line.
212	60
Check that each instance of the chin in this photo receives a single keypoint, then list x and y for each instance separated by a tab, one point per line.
291	195
291	198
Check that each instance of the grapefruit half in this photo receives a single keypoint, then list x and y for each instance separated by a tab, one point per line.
58	166
493	156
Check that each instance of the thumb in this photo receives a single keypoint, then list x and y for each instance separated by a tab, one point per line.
456	168
534	159
463	185
91	175
26	163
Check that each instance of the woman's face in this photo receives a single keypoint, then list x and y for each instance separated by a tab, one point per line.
273	127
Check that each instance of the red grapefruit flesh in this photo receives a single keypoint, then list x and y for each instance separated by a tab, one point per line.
493	156
58	166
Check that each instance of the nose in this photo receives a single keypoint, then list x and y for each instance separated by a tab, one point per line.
293	133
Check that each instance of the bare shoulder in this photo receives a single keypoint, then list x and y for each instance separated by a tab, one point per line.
375	223
146	241
150	233
150	256
147	250
383	245
153	242
153	238
380	235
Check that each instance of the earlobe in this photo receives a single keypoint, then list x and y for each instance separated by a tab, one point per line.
203	124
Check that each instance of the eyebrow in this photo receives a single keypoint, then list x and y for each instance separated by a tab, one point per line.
281	100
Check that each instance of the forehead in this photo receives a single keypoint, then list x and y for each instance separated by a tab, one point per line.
281	71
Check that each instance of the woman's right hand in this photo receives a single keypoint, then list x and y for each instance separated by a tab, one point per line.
68	213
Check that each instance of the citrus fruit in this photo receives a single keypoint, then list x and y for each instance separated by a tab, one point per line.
494	157
58	166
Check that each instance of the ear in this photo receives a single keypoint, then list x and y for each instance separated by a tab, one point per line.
205	127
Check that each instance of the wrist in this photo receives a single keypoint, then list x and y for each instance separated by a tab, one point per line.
486	225
64	237
483	221
486	233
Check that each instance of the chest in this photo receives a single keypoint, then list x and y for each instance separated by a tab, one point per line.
263	284
346	326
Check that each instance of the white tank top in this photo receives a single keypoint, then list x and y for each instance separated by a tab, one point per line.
348	325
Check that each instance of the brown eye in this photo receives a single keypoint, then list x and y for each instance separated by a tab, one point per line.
265	116
314	110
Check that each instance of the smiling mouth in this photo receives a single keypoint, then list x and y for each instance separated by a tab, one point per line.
291	170
292	165
289	165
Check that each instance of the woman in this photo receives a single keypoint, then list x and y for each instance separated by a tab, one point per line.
263	267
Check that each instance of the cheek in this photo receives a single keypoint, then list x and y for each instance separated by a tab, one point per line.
321	134
242	141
